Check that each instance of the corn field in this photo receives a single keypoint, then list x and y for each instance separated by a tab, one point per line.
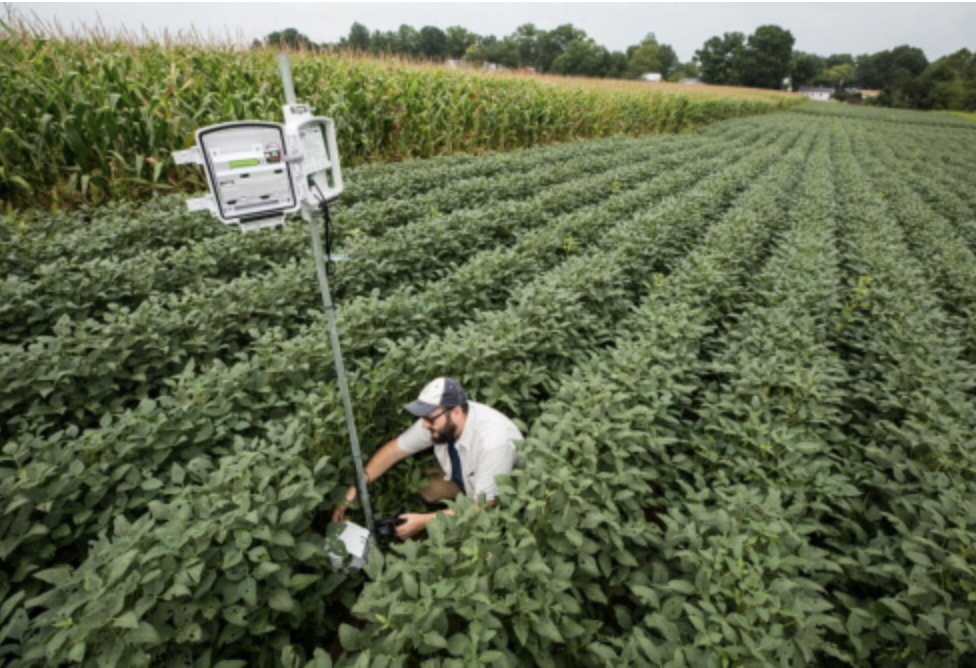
97	119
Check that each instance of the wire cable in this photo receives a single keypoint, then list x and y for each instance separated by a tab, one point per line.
330	264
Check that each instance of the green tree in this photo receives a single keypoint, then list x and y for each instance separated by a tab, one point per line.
432	42
719	58
835	59
880	70
616	65
527	39
949	83
458	41
582	57
289	38
406	41
490	49
909	59
767	58
897	73
358	38
553	43
807	68
872	69
840	76
689	70
382	42
944	89
651	56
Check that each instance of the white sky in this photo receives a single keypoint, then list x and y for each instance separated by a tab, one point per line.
938	28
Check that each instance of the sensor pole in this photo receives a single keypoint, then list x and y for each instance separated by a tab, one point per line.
308	215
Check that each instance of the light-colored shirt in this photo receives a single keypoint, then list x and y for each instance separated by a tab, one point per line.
486	449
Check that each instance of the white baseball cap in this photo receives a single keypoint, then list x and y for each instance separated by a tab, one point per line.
445	392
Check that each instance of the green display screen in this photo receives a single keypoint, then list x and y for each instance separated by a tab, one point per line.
248	162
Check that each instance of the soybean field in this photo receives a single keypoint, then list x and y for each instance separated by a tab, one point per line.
744	359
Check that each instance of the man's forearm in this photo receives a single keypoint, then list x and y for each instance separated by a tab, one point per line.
383	460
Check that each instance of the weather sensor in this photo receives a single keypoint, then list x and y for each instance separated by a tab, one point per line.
258	172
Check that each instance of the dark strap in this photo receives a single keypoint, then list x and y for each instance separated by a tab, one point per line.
456	476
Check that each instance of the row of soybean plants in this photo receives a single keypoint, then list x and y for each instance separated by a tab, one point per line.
948	163
905	544
88	233
94	366
935	225
946	188
892	119
553	322
123	231
572	565
79	272
787	483
406	179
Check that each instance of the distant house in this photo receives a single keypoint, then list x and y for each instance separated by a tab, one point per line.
465	65
817	92
866	92
690	81
651	77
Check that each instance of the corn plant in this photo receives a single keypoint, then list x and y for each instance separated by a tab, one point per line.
88	120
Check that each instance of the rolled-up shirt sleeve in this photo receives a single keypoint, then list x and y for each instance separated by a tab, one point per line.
415	439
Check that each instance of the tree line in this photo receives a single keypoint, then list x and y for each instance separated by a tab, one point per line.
904	76
565	50
764	59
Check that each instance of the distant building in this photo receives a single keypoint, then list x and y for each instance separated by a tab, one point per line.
651	77
817	92
453	64
691	81
866	92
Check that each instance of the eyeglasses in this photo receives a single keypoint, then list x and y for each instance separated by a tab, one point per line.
430	419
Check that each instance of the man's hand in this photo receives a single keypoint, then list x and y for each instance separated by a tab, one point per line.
415	523
339	513
377	465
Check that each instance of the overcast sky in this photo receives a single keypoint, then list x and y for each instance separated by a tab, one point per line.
822	28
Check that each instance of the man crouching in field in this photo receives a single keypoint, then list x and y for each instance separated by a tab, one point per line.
473	443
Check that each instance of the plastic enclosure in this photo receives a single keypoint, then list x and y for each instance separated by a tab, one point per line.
259	171
251	182
314	139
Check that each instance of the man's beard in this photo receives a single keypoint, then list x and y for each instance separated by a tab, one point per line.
448	433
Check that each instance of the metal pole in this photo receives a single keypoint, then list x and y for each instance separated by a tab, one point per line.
285	67
308	215
313	229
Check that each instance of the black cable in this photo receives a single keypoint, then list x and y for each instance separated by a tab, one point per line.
330	264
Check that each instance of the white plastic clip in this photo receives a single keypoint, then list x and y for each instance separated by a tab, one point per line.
205	203
191	156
